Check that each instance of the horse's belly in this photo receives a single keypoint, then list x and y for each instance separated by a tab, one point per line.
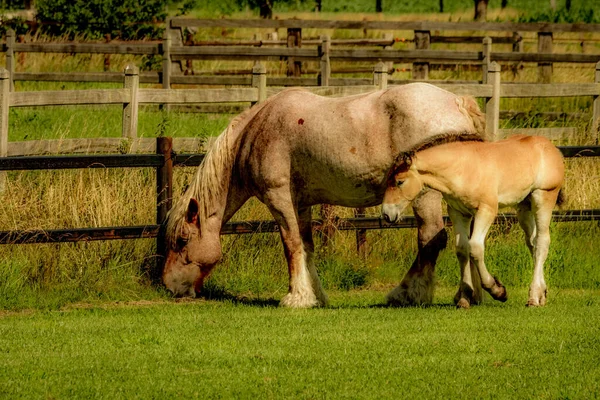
344	193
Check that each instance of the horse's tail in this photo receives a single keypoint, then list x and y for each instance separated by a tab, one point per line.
469	107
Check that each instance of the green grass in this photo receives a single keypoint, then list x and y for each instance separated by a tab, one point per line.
247	348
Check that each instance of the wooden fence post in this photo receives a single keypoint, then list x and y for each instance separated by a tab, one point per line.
487	52
389	36
107	39
294	39
517	47
164	196
166	63
380	76
596	110
259	81
10	57
545	46
325	72
4	107
422	42
362	246
492	106
164	178
130	110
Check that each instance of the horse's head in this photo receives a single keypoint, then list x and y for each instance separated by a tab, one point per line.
403	185
192	251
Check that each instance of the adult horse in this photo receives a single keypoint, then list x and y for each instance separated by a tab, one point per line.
298	149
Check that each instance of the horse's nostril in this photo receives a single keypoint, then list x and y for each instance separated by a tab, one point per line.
387	218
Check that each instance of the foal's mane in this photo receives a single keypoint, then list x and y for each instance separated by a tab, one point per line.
438	140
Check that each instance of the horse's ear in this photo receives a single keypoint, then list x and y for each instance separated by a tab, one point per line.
191	215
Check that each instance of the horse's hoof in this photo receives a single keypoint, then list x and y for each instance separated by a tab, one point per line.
463	304
532	303
498	292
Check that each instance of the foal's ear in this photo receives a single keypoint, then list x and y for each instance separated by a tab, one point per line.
191	215
403	162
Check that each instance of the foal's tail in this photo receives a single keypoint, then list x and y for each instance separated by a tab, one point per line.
469	107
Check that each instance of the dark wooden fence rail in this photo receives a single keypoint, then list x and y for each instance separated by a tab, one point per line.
174	49
164	161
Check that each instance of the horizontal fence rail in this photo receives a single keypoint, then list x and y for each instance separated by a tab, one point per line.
248	227
174	48
242	227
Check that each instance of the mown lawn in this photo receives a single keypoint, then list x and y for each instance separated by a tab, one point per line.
245	348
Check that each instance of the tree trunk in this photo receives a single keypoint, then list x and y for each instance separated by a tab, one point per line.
504	3
318	5
378	6
266	9
481	10
441	6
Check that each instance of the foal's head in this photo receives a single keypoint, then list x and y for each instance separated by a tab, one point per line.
403	185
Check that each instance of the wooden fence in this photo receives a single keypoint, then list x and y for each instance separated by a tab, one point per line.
163	161
173	49
131	96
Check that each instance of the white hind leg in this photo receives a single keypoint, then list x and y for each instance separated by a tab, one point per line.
542	203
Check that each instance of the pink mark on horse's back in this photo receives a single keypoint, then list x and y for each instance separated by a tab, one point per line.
300	121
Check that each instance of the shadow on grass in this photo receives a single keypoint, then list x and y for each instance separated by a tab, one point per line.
218	293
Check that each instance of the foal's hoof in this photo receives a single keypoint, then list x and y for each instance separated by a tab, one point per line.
498	291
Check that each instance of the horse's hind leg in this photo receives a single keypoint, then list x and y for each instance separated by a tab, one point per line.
542	203
304	288
417	285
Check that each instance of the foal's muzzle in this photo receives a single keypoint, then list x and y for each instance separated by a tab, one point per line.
391	213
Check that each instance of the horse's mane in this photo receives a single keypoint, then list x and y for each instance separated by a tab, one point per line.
211	178
438	140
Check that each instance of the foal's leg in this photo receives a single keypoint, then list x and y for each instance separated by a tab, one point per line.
484	217
527	221
303	275
542	203
417	285
469	291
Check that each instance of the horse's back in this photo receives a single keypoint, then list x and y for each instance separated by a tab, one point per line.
299	136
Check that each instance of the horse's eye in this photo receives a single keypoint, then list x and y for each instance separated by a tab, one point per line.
181	242
399	183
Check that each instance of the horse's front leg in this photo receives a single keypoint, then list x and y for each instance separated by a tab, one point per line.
484	217
305	289
469	292
418	284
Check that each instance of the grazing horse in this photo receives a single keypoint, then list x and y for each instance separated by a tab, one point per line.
476	178
298	149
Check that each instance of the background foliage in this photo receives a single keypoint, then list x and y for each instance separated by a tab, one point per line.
125	19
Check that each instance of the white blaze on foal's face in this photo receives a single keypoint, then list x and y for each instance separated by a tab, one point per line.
403	186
